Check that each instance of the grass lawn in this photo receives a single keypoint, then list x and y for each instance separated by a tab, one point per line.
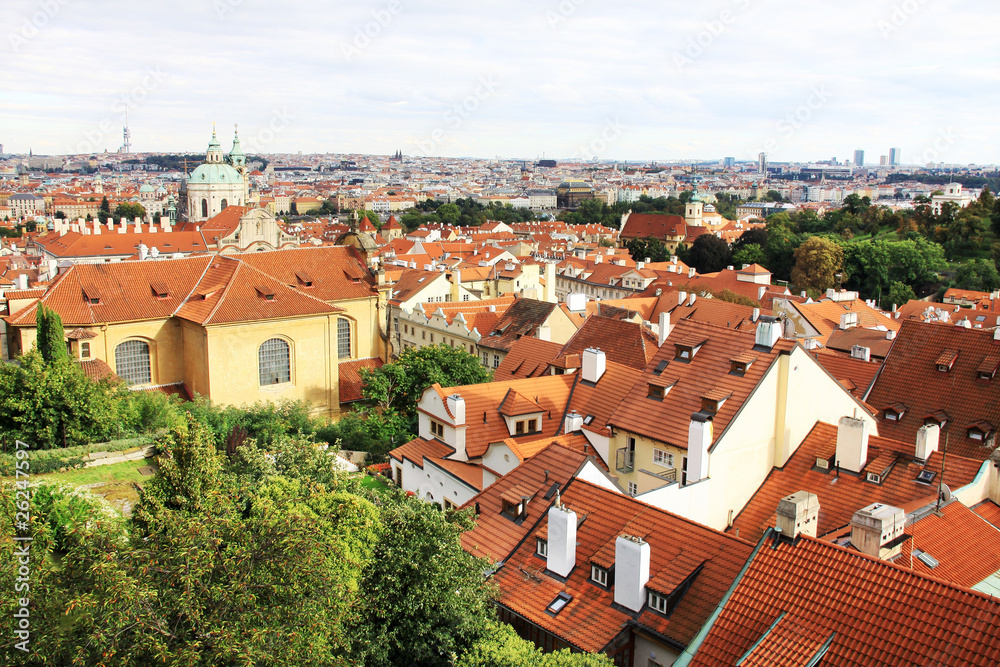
370	482
117	480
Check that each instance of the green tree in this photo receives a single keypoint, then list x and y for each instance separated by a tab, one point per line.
708	254
979	275
50	335
504	648
651	247
130	211
817	261
781	244
750	253
449	213
426	599
898	295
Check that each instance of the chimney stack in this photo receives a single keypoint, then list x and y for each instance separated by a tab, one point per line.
573	422
631	571
852	444
890	335
456	406
143	251
561	558
594	364
699	441
928	437
876	529
861	352
691	298
681	297
664	327
768	331
798	514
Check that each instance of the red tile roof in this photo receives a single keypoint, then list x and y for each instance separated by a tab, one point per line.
910	376
679	549
350	377
838	607
841	494
854	374
495	535
522	318
641	225
990	511
627	343
527	357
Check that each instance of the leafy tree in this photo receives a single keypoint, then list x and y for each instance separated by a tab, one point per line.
750	253
708	254
978	275
426	599
649	246
995	217
772	196
504	648
781	244
735	297
449	213
817	261
755	235
130	211
898	294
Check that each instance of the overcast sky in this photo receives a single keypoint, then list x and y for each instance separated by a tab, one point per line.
637	80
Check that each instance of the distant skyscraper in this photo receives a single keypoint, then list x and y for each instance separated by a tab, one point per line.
883	160
126	136
859	158
762	163
894	156
728	162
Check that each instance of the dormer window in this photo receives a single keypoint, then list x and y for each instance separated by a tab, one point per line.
980	431
85	350
740	364
512	510
526	426
683	353
874	478
599	575
159	289
946	360
713	401
988	368
266	293
304	278
895	412
541	548
656	392
92	296
657	602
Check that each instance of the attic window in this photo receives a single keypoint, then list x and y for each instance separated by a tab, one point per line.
265	293
926	476
712	401
304	278
683	353
988	368
980	431
512	510
946	360
895	412
91	296
874	478
559	603
741	363
159	289
541	547
588	419
657	602
656	392
925	558
599	575
660	367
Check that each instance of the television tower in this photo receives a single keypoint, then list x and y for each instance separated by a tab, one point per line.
126	135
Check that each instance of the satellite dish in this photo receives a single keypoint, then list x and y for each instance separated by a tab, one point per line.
945	494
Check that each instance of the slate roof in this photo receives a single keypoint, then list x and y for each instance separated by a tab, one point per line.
679	549
811	600
842	493
910	376
668	420
527	357
495	535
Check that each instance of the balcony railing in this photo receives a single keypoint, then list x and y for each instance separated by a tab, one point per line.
625	460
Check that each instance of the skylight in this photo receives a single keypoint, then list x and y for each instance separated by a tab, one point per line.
559	603
925	558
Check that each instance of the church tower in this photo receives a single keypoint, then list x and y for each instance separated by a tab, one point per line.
694	210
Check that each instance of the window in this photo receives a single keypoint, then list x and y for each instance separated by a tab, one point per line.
85	350
132	362
526	426
657	602
496	361
542	547
274	361
448	505
512	510
559	603
655	392
633	489
437	429
599	575
343	339
423	335
663	458
223	204
204	208
432	338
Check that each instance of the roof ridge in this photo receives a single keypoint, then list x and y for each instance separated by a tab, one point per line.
225	290
194	287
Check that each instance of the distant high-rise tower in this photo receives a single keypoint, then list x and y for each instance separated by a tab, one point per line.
762	163
729	162
894	156
859	158
883	160
126	135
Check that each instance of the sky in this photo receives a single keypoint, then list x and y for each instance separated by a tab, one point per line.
564	79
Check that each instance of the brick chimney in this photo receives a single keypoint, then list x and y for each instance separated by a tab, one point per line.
798	514
631	571
561	557
852	444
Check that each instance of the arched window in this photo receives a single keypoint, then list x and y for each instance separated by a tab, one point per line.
132	362
343	338
274	359
204	208
224	204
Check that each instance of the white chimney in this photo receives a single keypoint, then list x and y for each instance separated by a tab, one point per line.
928	437
756	315
576	302
890	335
122	227
852	444
561	558
761	291
848	320
681	297
768	331
456	406
573	422
699	441
691	272
138	227
875	527
664	327
861	352
153	252
97	226
22	281
111	224
798	514
631	571
594	364
143	251
691	298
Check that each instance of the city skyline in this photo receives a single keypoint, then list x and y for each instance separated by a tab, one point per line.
568	79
